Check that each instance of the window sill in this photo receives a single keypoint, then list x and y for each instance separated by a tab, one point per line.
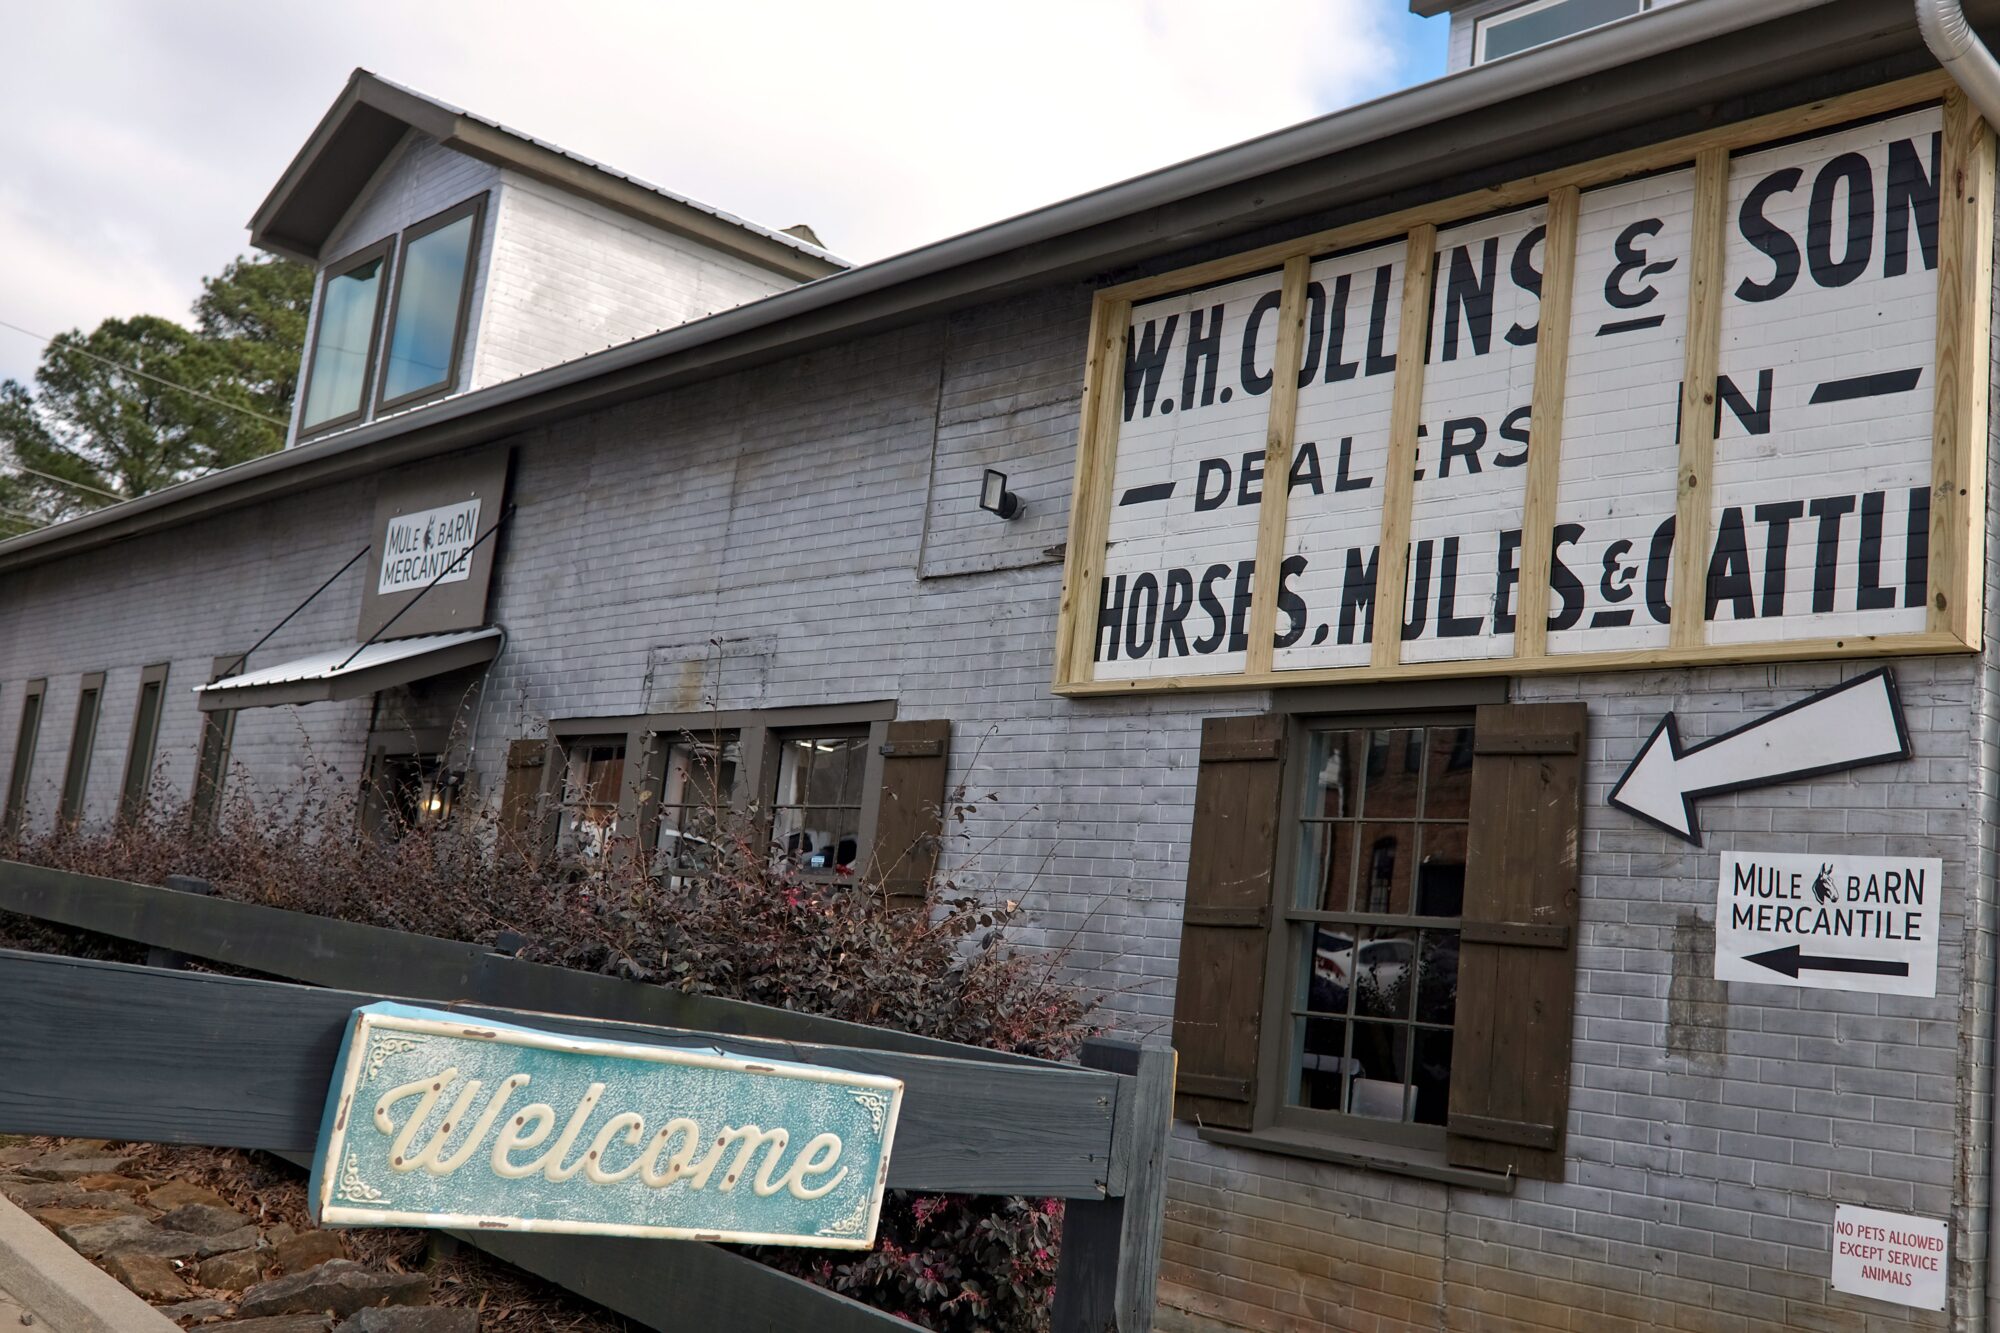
1363	1153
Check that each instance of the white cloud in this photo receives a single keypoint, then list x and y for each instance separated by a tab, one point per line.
139	137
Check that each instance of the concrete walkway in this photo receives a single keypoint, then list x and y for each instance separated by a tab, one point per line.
46	1285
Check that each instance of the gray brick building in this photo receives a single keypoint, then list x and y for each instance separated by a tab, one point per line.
759	511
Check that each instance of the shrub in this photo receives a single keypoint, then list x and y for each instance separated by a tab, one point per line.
747	926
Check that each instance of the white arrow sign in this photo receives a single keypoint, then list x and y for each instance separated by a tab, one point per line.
1851	725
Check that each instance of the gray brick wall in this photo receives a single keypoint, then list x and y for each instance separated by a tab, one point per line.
816	513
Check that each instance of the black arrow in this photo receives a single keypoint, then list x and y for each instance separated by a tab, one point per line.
1791	962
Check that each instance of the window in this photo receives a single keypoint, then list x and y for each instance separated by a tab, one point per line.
593	782
846	789
218	734
1378	884
343	345
1377	960
1545	21
76	777
428	312
816	807
145	741
25	740
699	783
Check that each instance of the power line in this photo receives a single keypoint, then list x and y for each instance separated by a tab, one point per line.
144	375
65	481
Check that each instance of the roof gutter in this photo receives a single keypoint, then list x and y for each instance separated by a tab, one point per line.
1354	156
1948	33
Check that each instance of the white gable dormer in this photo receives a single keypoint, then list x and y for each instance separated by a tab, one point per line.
454	254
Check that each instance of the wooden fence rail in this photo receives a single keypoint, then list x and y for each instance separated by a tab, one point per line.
117	1051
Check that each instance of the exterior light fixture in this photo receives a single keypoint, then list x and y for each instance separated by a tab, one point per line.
995	498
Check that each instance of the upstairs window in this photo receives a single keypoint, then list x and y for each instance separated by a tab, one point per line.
428	313
343	344
1544	21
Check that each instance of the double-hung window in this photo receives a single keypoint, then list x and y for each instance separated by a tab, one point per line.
1378	883
841	790
593	784
82	740
698	784
816	807
133	791
1378	941
25	740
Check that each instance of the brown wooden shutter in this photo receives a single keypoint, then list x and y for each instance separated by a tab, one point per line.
521	796
909	820
1517	956
1219	997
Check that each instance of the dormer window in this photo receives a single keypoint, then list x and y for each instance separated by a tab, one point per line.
424	277
428	313
343	346
1543	21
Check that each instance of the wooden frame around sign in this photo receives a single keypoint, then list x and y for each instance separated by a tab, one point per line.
1958	466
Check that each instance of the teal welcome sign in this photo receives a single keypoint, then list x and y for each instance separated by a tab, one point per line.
437	1121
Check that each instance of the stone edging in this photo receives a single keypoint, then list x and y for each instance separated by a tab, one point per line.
66	1292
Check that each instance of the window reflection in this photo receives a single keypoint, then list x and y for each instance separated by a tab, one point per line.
1382	838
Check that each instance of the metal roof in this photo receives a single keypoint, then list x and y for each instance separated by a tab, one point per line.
353	670
1688	65
371	116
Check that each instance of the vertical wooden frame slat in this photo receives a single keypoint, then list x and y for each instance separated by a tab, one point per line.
1964	315
1090	497
1273	509
1703	351
1545	428
1406	410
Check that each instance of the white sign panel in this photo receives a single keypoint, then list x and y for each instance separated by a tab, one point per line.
429	545
1829	922
1821	504
1890	1256
1823	437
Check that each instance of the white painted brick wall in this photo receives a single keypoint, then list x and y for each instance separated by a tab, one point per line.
556	277
573	277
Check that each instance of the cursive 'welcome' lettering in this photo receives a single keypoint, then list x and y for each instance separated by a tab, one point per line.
671	1153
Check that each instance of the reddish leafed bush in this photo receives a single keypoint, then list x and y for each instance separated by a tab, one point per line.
746	925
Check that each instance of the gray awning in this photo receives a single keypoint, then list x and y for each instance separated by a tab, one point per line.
376	667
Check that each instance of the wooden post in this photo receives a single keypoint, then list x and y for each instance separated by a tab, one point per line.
1110	1268
173	959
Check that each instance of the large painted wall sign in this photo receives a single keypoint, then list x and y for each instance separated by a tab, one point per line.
1852	725
438	1121
1829	922
1464	438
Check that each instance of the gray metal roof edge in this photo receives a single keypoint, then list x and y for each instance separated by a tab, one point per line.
904	284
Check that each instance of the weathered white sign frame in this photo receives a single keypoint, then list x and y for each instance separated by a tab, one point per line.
1951	612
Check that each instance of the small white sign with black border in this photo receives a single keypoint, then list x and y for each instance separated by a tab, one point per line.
1827	921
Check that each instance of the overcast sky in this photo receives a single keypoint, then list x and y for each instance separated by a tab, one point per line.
137	138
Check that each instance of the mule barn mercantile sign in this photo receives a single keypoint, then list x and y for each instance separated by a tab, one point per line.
1462	438
435	1120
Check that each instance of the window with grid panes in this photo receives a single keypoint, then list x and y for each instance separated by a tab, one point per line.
698	780
593	779
816	812
1373	920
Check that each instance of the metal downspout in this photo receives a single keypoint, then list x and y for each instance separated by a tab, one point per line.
1972	66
